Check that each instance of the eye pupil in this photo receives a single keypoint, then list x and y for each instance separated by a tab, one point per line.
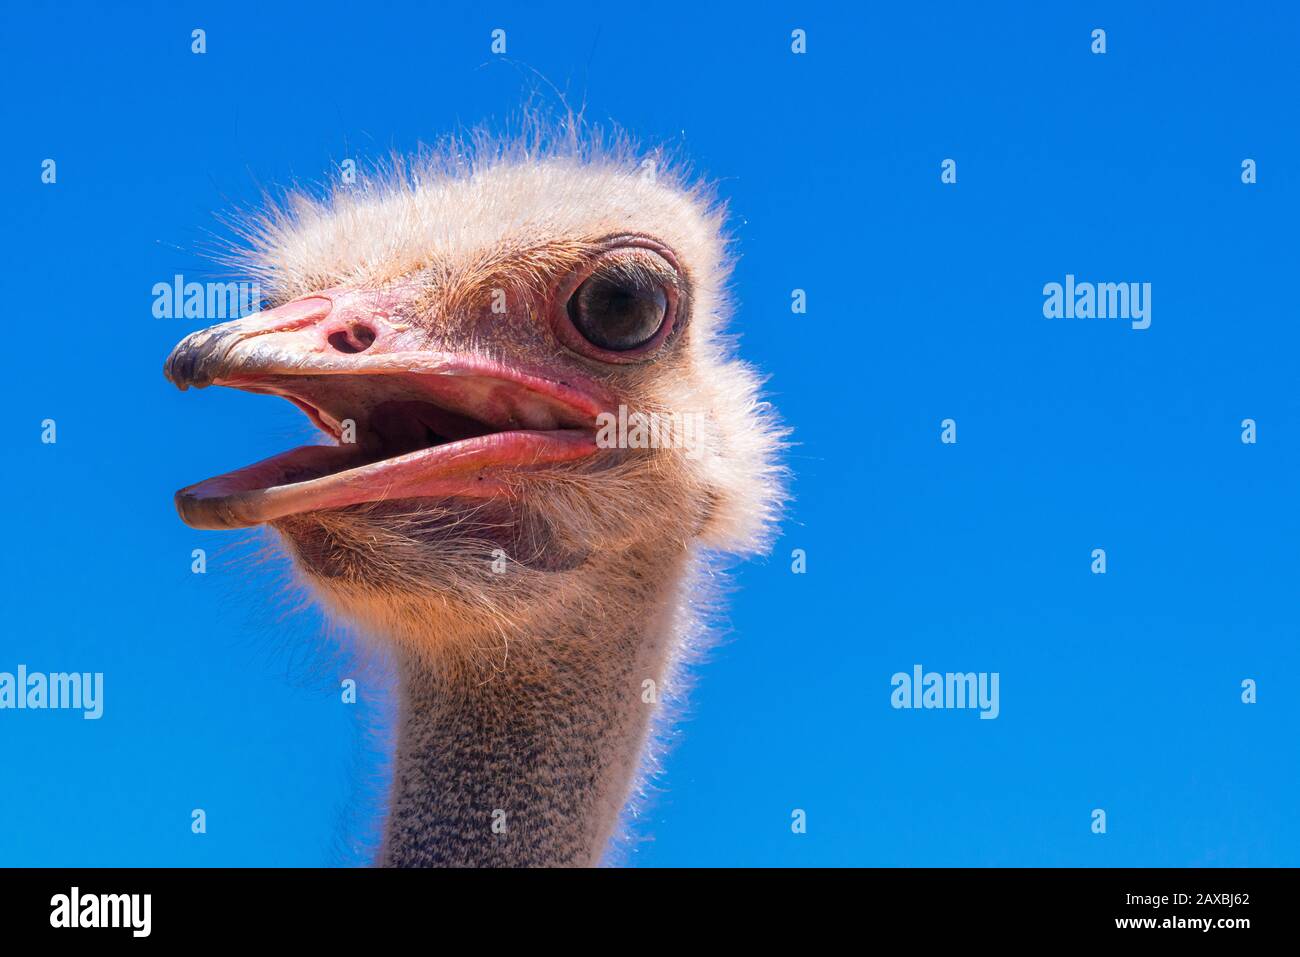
617	314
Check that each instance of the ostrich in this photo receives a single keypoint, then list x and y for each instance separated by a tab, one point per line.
465	329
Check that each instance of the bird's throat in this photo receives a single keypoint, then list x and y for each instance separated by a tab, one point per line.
528	761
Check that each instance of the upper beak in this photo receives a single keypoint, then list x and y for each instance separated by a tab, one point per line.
203	357
341	332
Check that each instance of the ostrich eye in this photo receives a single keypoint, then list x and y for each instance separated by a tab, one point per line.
617	313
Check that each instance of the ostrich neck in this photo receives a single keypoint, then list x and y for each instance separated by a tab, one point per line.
529	762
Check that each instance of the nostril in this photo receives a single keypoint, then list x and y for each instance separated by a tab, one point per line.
355	338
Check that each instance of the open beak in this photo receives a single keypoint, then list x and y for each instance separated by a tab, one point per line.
405	422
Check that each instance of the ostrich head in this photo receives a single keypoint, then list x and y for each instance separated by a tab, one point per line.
531	423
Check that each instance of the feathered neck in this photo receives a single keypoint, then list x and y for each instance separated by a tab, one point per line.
529	762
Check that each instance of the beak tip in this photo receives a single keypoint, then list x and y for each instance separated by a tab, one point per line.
198	357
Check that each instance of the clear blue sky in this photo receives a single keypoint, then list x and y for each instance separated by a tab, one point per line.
1119	692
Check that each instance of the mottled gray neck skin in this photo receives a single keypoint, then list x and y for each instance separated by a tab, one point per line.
547	744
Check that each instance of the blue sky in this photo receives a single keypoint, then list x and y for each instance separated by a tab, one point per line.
1119	691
